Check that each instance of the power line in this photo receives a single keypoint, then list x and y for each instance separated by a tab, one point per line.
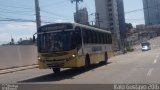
13	19
137	10
141	9
135	19
51	13
54	4
10	4
53	18
138	19
19	20
16	7
8	17
14	10
24	12
19	13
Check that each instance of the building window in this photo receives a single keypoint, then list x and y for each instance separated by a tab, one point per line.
112	28
111	24
110	9
109	5
110	19
110	14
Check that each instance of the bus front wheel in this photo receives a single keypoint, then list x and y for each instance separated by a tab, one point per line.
87	62
56	70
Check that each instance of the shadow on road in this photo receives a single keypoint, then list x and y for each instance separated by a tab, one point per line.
65	74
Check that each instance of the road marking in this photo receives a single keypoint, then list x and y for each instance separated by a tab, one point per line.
150	72
155	61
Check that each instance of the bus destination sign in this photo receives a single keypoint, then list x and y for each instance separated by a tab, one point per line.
55	27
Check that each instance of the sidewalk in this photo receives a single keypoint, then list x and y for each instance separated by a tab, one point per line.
5	71
118	53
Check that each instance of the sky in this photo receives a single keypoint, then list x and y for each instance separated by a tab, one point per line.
51	11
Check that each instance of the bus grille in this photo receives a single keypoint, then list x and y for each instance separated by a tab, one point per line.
54	55
55	63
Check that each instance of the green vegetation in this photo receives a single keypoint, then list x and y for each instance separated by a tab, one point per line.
129	49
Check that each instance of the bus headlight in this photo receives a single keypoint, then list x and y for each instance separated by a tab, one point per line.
73	55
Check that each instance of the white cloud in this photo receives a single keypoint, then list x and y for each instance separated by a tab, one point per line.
18	26
16	30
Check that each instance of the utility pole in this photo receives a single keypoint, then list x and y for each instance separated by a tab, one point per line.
98	20
38	17
77	8
92	22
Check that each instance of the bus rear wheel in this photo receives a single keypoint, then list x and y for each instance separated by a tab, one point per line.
56	70
106	58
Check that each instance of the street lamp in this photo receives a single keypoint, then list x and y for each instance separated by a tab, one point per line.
97	18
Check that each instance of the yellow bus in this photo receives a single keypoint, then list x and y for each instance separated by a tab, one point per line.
72	45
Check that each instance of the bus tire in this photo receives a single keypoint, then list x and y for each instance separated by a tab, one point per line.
87	62
56	70
105	58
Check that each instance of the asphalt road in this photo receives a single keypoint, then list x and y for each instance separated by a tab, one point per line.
135	67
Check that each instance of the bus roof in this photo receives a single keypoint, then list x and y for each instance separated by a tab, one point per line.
86	26
80	25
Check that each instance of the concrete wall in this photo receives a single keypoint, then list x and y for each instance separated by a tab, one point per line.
15	56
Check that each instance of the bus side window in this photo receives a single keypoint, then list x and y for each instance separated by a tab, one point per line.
85	37
77	29
89	36
97	37
94	36
78	36
100	38
106	38
110	39
103	36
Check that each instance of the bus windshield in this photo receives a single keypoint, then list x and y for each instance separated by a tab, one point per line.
57	41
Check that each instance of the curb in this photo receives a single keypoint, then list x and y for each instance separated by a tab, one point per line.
17	69
118	53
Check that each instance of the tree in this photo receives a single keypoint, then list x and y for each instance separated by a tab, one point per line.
129	26
77	1
12	41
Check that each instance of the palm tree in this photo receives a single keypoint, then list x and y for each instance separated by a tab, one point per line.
77	1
